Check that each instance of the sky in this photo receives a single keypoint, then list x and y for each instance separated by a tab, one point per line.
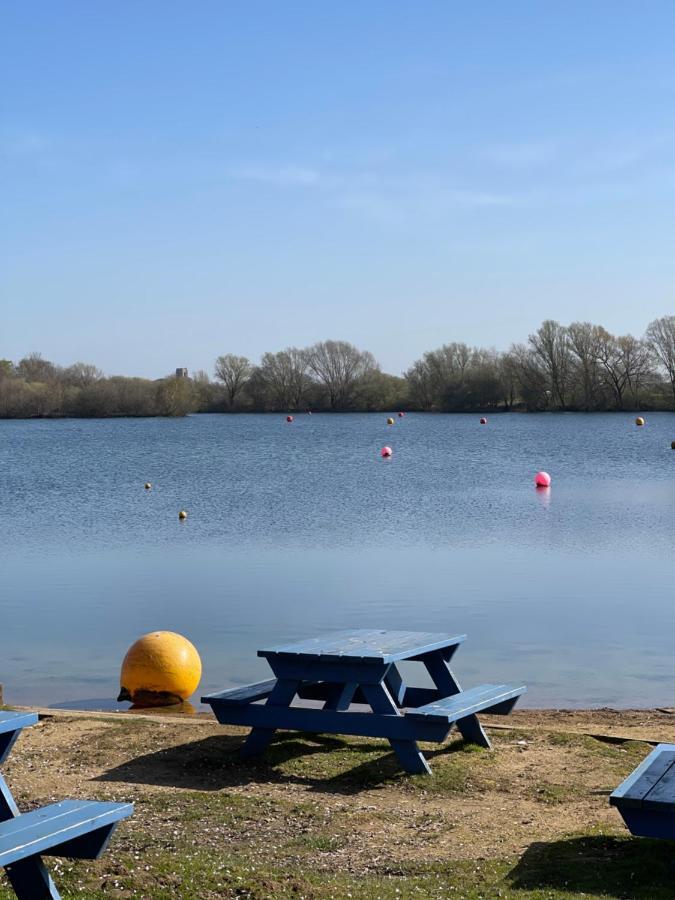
181	180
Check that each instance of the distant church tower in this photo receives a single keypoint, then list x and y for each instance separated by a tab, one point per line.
181	373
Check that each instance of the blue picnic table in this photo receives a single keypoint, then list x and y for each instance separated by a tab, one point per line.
349	682
79	829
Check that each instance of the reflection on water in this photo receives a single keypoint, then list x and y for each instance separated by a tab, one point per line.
295	530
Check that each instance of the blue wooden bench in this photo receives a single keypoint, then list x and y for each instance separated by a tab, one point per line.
646	799
349	683
79	829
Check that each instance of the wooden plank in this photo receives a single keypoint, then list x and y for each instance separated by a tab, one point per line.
11	720
662	794
366	645
642	779
321	721
468	702
246	693
43	829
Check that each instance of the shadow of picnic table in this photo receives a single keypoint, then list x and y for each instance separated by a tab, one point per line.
214	762
620	867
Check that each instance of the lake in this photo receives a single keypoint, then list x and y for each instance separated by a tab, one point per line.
295	529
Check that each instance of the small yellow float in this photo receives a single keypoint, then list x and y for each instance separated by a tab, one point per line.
182	515
390	421
639	421
160	669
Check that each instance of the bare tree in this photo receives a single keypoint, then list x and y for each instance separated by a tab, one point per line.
34	368
234	372
81	374
285	375
551	349
661	339
584	342
339	366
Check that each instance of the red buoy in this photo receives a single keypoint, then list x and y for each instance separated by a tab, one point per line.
386	451
401	414
483	420
289	418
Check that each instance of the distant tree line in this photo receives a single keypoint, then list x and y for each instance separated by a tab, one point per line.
576	367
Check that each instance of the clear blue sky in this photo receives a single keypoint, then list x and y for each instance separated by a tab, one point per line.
183	179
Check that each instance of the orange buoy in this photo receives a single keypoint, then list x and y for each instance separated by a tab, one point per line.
160	669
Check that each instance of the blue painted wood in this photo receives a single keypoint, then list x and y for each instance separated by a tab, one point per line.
649	823
633	790
365	645
306	669
247	693
8	808
321	721
49	828
437	665
11	725
11	720
467	703
279	700
407	751
31	880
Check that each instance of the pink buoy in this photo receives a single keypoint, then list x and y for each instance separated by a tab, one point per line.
289	418
542	479
386	451
401	414
483	420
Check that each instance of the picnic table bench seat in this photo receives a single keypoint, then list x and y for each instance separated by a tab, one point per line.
355	678
79	829
499	699
646	799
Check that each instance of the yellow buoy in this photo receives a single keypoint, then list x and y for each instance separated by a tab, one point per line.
390	421
147	485
182	515
639	421
672	445
160	669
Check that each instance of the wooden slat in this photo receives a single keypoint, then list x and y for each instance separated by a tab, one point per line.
632	791
14	721
44	829
366	645
366	724
246	693
468	702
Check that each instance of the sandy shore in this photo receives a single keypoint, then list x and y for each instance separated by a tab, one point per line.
323	816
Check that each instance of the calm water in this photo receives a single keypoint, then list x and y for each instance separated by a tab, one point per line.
298	529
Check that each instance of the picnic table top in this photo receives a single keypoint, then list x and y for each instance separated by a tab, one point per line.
365	645
651	784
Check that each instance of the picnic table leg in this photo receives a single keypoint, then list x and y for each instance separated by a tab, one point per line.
341	696
31	880
441	675
282	695
407	752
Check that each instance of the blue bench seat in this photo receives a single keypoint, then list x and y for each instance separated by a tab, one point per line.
646	799
495	698
59	828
